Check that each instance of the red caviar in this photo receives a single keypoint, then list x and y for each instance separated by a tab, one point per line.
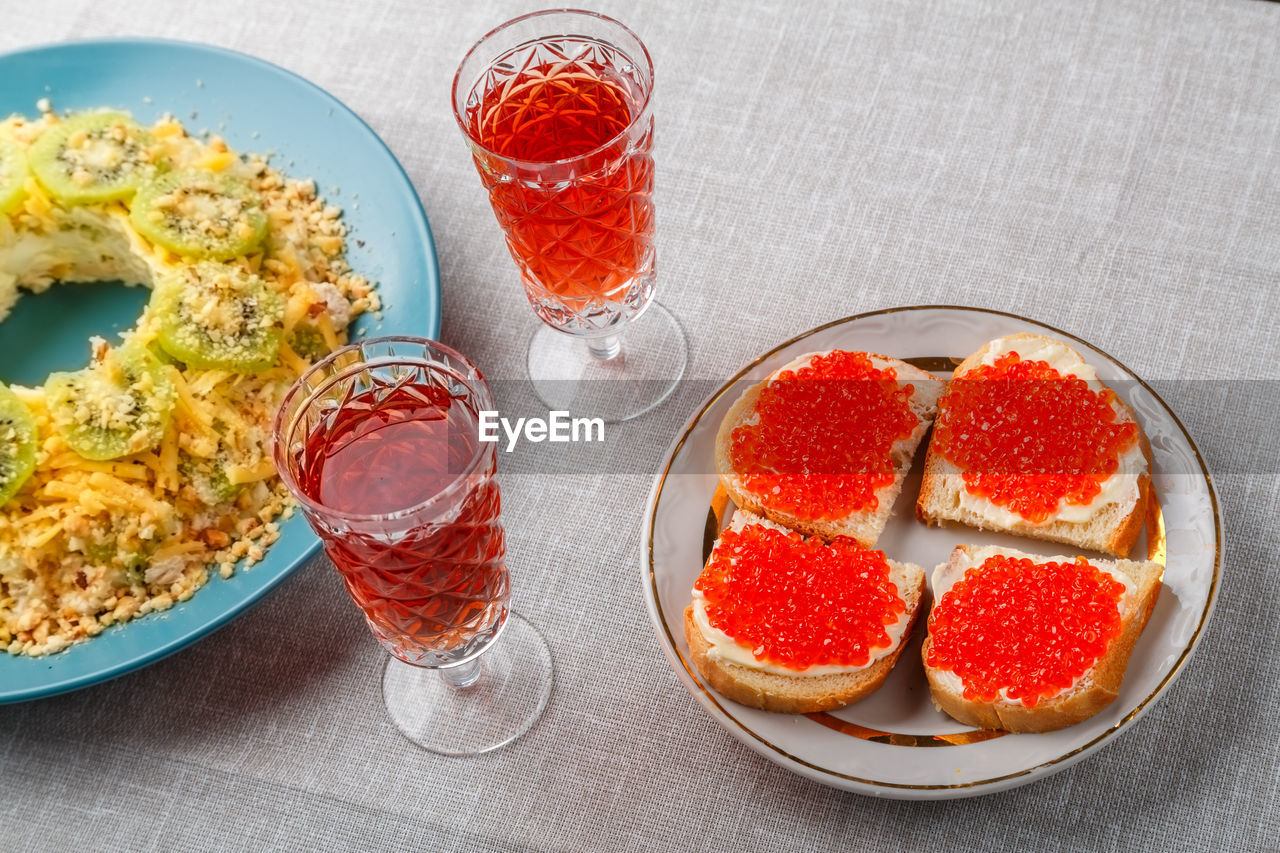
799	603
820	447
1030	628
1028	438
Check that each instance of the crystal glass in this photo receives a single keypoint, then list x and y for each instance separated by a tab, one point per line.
557	109
379	444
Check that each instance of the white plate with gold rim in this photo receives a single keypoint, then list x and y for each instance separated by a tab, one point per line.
895	743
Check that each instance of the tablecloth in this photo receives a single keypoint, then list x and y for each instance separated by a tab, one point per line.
1109	168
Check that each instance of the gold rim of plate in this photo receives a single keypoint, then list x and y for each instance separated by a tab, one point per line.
1156	551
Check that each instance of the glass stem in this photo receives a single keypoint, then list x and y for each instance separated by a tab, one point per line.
605	349
462	675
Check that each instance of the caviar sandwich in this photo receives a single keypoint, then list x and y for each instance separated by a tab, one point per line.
796	625
1029	442
824	444
820	448
1031	644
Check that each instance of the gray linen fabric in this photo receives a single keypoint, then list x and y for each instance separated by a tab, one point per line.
1110	168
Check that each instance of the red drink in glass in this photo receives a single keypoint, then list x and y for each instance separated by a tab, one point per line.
430	586
562	135
386	460
585	238
557	110
379	443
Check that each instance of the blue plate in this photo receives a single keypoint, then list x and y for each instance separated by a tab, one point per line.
255	106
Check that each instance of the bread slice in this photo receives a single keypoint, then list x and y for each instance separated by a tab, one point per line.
1092	692
864	527
802	694
1114	526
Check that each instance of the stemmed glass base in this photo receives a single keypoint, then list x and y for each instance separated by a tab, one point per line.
614	378
479	705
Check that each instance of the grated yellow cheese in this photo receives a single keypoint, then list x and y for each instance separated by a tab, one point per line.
187	403
216	161
166	463
292	360
325	325
242	474
38	204
48	536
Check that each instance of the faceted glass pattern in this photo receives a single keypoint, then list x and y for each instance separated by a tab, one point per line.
574	196
431	579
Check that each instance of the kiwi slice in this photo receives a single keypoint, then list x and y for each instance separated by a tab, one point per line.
115	407
200	214
217	316
13	175
17	443
94	158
